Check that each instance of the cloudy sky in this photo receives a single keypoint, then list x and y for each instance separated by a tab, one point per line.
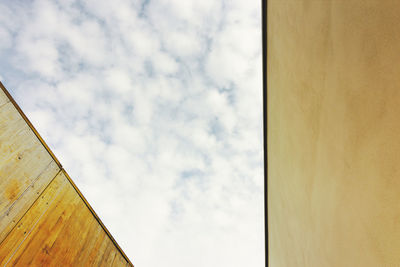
154	108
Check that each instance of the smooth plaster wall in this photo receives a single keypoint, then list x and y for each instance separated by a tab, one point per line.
333	132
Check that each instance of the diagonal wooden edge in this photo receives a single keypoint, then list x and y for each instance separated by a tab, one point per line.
30	124
64	171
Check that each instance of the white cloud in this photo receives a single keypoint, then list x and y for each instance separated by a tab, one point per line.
164	64
5	38
183	44
155	110
142	41
118	80
40	56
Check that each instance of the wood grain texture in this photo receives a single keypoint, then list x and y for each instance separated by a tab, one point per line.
333	132
3	98
25	167
59	229
44	219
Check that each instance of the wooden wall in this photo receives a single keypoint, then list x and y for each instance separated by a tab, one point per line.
44	219
333	71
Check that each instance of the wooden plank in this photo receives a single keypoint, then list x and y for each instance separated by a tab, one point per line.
98	219
72	237
14	133
111	256
18	208
61	241
37	248
47	227
59	227
30	124
108	254
25	168
103	252
93	255
93	234
16	242
3	98
119	260
22	159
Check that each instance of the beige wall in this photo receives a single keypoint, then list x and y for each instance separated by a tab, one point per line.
334	132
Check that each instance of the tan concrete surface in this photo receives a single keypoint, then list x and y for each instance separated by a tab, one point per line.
334	132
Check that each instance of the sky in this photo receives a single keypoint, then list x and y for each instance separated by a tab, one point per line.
154	108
